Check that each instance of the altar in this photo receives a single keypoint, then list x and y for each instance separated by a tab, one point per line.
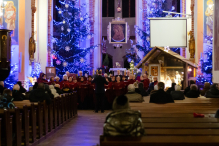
114	70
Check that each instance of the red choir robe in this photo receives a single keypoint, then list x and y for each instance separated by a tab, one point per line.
146	83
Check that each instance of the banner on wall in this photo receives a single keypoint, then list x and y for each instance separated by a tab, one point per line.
9	18
208	17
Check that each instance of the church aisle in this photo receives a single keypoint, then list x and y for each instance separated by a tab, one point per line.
81	131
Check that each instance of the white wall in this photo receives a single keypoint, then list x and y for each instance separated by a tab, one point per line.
215	73
42	13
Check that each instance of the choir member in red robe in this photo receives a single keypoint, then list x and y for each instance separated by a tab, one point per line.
145	81
52	81
131	79
57	81
42	79
118	86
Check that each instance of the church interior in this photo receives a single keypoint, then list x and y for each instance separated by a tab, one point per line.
109	72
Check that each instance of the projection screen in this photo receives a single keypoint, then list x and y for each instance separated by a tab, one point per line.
170	32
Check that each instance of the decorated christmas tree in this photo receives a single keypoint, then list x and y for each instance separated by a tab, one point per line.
205	64
71	29
12	78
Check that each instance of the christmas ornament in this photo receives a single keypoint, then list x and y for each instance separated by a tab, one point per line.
60	12
68	29
63	22
66	5
62	28
67	48
82	60
58	62
65	64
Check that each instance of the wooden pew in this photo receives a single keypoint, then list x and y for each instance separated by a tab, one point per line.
160	141
0	131
6	127
182	132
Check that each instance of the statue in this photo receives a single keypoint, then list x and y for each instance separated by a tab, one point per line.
32	47
209	21
177	78
191	45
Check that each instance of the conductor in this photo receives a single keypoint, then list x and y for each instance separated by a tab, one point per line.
99	91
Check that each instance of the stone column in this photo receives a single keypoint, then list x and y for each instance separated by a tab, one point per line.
24	35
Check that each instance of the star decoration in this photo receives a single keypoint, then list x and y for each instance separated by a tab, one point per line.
65	64
67	48
58	62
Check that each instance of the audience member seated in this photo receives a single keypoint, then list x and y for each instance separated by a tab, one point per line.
58	90
155	89
132	95
35	85
161	96
145	81
22	89
141	90
177	94
39	95
27	94
213	92
6	100
188	88
217	114
16	93
169	90
193	92
2	88
48	91
205	89
53	91
123	121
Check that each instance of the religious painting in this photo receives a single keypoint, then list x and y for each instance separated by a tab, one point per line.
118	32
50	72
10	18
208	17
154	70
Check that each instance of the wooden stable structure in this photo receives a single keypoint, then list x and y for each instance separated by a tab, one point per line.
161	63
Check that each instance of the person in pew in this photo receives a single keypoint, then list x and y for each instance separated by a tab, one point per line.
207	87
99	82
16	93
132	95
213	92
141	90
6	100
161	96
53	91
188	88
193	93
58	90
172	88
39	95
48	91
35	85
155	89
123	121
177	94
27	94
2	88
22	89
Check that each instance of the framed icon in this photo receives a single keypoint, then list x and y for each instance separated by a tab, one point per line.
50	72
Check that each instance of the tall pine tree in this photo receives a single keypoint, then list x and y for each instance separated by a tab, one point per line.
71	29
